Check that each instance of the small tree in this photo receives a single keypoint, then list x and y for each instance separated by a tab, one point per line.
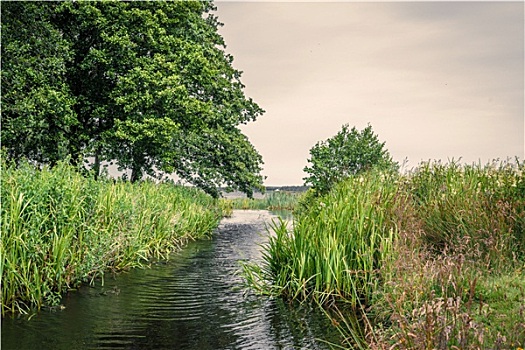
348	153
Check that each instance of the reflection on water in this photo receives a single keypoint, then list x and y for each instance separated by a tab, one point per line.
192	301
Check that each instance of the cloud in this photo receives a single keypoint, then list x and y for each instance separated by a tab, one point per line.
435	80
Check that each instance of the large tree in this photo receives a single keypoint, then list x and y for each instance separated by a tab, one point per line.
153	89
349	152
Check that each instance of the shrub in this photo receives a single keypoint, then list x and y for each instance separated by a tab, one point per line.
349	152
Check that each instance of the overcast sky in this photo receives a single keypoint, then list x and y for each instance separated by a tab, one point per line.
435	80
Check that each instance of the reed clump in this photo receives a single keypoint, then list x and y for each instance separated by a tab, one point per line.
275	200
60	229
431	259
338	243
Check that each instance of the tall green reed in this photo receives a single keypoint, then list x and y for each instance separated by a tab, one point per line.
60	229
337	246
460	229
276	200
471	209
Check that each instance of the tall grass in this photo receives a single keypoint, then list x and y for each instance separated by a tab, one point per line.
456	279
275	200
60	229
433	259
471	207
337	246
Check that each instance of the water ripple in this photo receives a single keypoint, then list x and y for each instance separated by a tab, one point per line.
191	302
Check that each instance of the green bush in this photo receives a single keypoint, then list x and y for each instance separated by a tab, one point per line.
349	152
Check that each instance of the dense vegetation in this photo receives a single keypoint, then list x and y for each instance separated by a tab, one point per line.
60	229
144	84
274	200
432	259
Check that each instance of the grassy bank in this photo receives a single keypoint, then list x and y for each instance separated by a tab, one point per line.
430	260
60	229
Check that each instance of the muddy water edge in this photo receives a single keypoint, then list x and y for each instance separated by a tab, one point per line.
194	300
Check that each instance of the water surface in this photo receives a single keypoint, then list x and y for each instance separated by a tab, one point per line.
192	301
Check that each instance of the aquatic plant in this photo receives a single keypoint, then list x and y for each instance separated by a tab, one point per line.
336	248
60	229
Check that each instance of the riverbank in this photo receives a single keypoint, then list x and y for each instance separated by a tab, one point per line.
60	229
430	259
191	301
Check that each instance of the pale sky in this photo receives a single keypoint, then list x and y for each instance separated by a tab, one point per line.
435	80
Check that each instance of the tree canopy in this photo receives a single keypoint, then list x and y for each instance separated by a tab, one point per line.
37	104
145	84
348	153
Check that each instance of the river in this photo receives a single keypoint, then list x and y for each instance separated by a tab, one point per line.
192	301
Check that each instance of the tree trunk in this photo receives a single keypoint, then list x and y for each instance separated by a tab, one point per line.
96	164
136	175
136	169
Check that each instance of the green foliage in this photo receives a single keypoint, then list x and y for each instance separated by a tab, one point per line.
37	104
432	259
349	152
471	209
60	229
338	245
145	84
461	236
215	157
